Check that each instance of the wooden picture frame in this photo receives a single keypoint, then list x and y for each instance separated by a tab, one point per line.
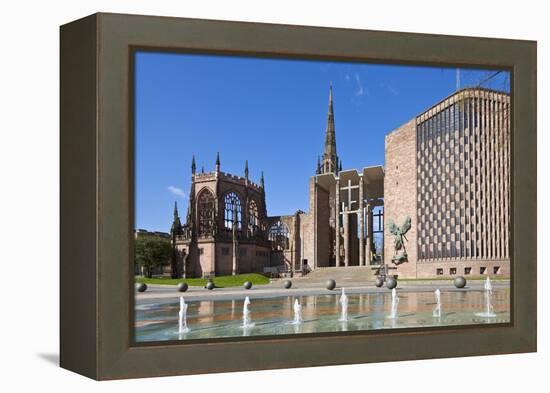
97	195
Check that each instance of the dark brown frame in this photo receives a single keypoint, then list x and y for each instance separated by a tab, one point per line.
97	196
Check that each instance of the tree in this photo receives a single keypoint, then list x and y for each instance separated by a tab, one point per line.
152	253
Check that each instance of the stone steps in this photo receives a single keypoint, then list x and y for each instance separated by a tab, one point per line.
351	273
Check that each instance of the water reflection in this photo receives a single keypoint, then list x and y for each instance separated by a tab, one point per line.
321	313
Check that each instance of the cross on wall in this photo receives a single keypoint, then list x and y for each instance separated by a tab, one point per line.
349	188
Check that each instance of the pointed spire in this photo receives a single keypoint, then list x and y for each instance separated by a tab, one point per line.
176	223
202	169
340	166
246	169
330	137
262	182
330	158
218	162
318	171
193	165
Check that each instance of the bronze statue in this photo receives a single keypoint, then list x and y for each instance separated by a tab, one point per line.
399	240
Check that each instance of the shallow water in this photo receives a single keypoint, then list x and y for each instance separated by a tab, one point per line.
320	313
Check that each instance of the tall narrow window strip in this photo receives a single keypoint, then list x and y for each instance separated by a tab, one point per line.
463	174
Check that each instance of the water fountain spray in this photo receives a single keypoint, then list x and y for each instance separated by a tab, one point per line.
488	313
394	303
344	306
437	309
183	317
246	314
297	313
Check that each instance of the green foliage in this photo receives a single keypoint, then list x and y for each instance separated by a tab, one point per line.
220	281
151	253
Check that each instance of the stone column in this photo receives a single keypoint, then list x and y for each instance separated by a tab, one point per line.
337	222
361	214
345	224
235	250
369	233
292	260
235	244
184	264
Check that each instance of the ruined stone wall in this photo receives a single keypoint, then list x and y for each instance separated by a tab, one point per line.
209	255
307	238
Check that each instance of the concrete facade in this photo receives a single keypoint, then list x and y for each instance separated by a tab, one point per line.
400	192
456	157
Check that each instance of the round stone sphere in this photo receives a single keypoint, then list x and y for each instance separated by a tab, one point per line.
460	282
330	284
391	283
247	285
182	287
287	284
379	282
141	287
210	285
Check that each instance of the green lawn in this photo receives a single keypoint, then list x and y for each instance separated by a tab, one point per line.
220	282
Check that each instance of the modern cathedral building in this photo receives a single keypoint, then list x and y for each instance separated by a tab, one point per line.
447	171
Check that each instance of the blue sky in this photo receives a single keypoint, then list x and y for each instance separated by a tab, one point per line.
272	113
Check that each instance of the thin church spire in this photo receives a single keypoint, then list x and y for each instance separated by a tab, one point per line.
330	157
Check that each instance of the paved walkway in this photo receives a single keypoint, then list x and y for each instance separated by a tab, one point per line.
300	287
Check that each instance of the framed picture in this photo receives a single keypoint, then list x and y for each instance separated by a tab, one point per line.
241	196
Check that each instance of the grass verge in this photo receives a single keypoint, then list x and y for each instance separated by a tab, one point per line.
220	281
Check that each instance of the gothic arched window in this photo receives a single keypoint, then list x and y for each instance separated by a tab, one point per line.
206	213
252	218
232	211
278	234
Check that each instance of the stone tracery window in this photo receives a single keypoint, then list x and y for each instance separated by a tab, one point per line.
253	221
206	213
278	234
232	211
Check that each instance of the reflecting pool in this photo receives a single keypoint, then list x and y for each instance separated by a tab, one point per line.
319	313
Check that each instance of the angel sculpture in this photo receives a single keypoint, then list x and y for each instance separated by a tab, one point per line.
399	240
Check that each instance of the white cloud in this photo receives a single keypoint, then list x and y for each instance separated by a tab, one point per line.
392	90
176	191
360	91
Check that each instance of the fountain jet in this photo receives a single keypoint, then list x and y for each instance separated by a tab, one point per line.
246	314
183	317
488	313
437	309
344	306
297	313
394	303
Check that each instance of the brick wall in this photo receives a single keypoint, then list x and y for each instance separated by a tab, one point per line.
321	226
400	193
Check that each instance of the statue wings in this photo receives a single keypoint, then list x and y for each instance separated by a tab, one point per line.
394	230
406	226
